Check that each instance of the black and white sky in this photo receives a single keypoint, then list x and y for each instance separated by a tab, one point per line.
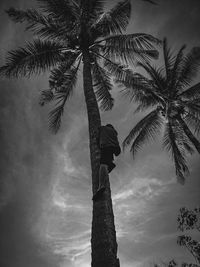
45	185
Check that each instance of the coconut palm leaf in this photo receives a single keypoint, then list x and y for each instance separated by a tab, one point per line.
156	74
140	89
144	129
46	97
146	101
102	87
61	10
58	75
33	58
133	80
193	121
146	104
116	69
40	24
190	67
189	134
151	2
93	9
31	17
62	94
192	92
192	107
55	118
173	142
168	59
175	72
114	21
128	47
151	126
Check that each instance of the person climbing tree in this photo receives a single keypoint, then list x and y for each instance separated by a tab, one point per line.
109	146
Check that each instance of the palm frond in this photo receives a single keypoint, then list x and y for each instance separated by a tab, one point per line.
168	59
115	69
148	132
30	16
157	77
151	2
93	9
40	24
51	29
114	21
146	101
190	66
62	10
140	89
130	48
173	142
192	107
33	58
188	148
143	130
62	94
175	72
189	134
194	121
46	97
58	79
144	106
58	74
136	86
102	87
191	93
55	118
132	80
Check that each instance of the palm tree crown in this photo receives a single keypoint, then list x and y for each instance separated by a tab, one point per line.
64	29
174	105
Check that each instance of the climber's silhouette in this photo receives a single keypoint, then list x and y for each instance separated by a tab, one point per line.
109	146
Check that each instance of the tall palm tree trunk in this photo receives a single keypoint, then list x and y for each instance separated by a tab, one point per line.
103	241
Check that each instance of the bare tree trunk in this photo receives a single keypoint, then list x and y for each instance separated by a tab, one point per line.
103	241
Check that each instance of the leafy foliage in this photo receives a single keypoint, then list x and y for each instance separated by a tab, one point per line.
65	29
189	220
114	21
36	57
143	131
131	47
165	91
103	86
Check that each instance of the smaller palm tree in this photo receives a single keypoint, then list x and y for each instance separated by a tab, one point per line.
174	105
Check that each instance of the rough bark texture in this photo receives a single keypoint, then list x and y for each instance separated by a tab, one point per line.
103	241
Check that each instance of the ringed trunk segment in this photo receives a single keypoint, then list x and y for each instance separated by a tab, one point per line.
103	241
104	244
94	119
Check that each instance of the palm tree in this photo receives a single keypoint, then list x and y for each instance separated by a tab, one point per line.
174	105
70	33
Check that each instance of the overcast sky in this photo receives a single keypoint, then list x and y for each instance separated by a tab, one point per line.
45	200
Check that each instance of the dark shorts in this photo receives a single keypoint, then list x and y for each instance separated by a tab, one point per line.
107	154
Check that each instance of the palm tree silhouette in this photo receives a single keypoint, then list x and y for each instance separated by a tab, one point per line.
70	33
173	106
